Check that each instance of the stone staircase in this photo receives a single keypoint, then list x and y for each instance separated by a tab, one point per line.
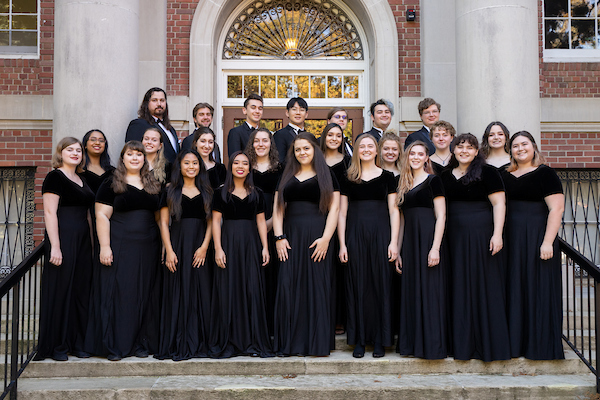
339	376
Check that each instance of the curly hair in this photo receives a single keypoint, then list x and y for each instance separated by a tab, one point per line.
474	170
119	181
273	153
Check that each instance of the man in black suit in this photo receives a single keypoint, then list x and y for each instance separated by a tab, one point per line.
203	117
429	111
237	139
154	113
382	112
296	111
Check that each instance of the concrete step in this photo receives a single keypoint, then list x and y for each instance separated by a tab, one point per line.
333	387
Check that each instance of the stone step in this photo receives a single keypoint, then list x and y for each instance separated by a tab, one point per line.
339	362
333	387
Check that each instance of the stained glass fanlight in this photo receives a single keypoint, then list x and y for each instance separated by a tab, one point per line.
292	30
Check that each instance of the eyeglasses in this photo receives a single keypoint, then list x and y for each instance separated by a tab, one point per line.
340	117
97	140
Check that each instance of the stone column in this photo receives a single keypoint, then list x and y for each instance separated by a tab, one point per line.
95	68
497	64
153	46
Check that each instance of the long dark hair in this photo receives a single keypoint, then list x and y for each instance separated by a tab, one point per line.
144	112
474	170
104	157
323	139
292	166
204	130
273	153
119	182
174	190
485	144
229	186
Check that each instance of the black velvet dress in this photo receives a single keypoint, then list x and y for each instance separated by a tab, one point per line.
267	182
480	328
65	290
130	287
216	175
94	181
186	294
303	305
369	276
438	168
238	317
423	303
534	285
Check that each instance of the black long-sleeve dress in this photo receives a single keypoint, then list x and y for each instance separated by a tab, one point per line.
238	317
131	285
423	303
186	293
480	328
534	289
303	305
65	289
369	275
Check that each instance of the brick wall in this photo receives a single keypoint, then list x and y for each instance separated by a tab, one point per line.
409	47
571	150
179	24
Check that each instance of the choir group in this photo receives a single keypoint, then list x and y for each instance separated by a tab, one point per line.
453	251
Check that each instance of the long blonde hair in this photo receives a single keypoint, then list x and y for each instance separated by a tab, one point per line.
355	169
160	162
407	179
391	136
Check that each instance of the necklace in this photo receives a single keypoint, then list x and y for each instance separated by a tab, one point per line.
443	160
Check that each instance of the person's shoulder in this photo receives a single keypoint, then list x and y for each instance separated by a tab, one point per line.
284	129
237	129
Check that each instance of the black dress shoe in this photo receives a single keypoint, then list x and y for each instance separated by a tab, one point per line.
114	357
141	353
81	354
60	357
359	351
378	351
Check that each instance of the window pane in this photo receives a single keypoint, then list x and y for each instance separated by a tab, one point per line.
583	8
267	86
24	38
3	6
24	6
24	22
302	85
250	84
317	87
334	87
557	34
3	21
315	126
4	39
234	86
284	87
583	34
351	87
272	124
556	8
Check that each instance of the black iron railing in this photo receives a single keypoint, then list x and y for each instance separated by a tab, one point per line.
19	311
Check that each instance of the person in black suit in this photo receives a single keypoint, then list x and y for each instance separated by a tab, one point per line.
382	112
203	116
237	139
154	113
297	112
429	111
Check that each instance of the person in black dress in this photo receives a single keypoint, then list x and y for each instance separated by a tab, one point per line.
390	153
126	213
423	303
476	210
155	155
67	273
336	156
534	213
204	143
187	285
238	317
368	231
494	145
96	160
266	172
304	220
442	134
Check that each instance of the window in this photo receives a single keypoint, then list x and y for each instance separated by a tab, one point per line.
19	23
571	31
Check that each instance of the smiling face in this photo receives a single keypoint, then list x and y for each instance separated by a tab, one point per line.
304	151
417	157
157	104
253	112
496	138
441	138
382	116
133	160
203	117
190	166
367	149
334	138
72	155
340	118
465	153
297	115
240	167
390	151
430	115
205	144
262	144
96	144
151	141
522	150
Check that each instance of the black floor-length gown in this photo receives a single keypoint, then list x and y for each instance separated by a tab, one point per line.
423	304
480	328
303	305
186	295
534	291
267	182
369	292
238	316
65	290
130	287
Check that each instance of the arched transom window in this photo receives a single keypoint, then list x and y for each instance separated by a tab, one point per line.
279	29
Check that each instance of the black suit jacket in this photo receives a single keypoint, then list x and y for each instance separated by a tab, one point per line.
283	139
136	129
376	133
238	138
422	135
186	144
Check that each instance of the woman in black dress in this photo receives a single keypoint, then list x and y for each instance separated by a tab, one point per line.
266	172
155	155
187	285
494	145
423	303
534	213
204	143
442	134
476	210
390	153
368	231
67	274
304	220
332	146
96	160
238	317
126	213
